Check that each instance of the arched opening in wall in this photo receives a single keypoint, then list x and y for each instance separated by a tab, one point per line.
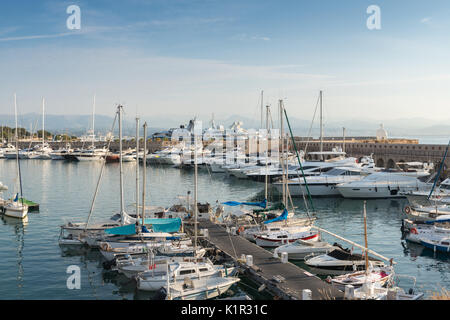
402	166
390	164
328	157
380	163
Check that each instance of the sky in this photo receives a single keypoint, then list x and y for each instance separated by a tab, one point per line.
198	57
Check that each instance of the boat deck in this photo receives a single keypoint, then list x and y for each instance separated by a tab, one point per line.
285	280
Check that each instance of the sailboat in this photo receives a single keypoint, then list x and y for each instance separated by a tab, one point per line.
16	208
299	229
374	275
43	151
92	153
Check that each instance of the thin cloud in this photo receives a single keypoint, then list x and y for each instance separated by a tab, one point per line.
246	37
41	36
425	20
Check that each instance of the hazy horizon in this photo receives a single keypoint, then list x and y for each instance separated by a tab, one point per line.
202	57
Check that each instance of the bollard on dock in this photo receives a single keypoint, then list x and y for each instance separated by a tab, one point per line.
306	294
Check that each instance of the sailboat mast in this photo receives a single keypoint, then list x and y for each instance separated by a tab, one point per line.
321	125
122	208
365	238
137	166
93	123
144	172
195	191
262	111
19	176
43	122
282	152
267	155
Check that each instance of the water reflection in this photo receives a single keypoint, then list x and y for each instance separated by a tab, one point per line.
19	227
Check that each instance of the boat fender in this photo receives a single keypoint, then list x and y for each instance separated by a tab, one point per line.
407	209
241	229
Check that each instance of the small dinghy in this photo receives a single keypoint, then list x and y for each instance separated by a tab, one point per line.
441	244
299	249
149	281
132	266
276	239
338	262
379	276
197	289
375	291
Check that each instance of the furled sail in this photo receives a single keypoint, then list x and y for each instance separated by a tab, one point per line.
157	225
261	204
281	217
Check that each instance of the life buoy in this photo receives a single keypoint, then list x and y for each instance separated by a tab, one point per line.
414	231
407	209
104	246
241	229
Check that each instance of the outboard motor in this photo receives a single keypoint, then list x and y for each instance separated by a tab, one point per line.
160	295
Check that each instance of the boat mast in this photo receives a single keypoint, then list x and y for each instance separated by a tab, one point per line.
282	152
17	151
262	99
321	125
195	192
267	155
144	172
343	139
93	122
122	209
43	122
365	239
137	166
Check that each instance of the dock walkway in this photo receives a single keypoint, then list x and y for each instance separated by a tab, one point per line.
266	267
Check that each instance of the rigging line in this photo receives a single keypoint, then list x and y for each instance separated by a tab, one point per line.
298	159
312	122
101	174
31	133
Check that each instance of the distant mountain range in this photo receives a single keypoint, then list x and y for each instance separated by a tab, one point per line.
79	124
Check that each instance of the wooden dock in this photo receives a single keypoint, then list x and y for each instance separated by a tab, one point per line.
284	280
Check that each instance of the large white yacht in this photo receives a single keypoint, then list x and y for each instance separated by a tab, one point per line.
387	184
324	184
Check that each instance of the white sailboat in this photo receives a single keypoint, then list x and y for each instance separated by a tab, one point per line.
178	271
16	208
287	233
374	275
43	151
92	153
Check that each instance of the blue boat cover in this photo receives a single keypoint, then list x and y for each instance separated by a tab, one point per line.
157	225
281	217
261	204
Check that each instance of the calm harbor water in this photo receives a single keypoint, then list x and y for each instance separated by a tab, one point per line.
33	266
